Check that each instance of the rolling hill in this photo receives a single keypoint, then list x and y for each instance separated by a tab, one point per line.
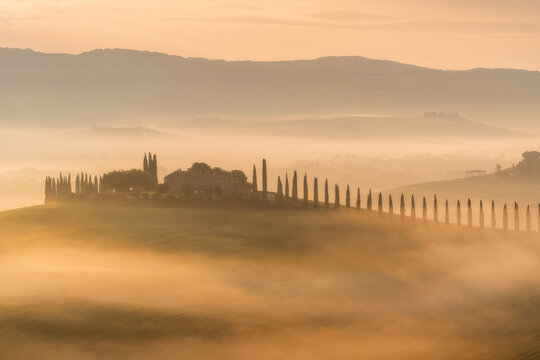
89	281
132	87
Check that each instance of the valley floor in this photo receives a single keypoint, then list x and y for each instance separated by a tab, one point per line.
91	281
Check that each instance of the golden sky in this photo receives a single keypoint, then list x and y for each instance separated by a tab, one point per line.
452	34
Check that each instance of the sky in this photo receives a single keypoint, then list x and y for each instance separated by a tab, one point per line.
443	34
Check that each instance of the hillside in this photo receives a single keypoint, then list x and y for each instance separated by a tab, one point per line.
90	281
488	187
132	87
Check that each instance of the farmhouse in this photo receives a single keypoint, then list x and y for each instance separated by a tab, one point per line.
205	182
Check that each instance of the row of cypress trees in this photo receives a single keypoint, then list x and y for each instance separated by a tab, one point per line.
283	193
150	166
56	188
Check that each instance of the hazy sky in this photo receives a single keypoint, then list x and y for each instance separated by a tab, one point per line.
436	33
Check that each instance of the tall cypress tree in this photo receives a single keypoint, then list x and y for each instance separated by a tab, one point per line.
96	185
380	209
336	197
390	205
446	213
516	217
264	181
77	184
358	199
154	169
279	194
505	218
528	218
295	186
458	213
481	221
424	210
305	194
286	186
254	186
69	183
348	197
327	196
493	218
435	210
413	209
369	201
315	192
145	163
469	213
402	207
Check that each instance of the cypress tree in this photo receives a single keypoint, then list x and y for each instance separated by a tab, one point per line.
369	202
390	206
402	208
348	197
336	197
327	196
358	199
493	218
145	163
286	186
435	210
96	185
69	183
279	194
264	181
424	210
413	210
315	192
516	217
505	218
469	212
458	213
77	184
295	186
254	188
446	213
528	218
380	209
154	169
481	221
306	195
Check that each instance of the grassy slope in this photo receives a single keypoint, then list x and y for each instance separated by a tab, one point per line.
107	282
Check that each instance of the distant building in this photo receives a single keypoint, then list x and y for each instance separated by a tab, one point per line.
200	182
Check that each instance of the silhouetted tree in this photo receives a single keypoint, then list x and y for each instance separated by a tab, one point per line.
336	197
424	210
516	217
458	213
505	218
145	163
279	194
493	218
286	186
326	195
348	197
295	186
125	180
402	207
77	184
481	221
435	210
413	210
528	218
315	192
380	209
469	213
369	202
306	195
390	205
264	181
254	184
358	199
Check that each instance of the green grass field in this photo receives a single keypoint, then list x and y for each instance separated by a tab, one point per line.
91	281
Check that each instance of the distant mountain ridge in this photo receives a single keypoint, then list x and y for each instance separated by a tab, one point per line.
103	86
